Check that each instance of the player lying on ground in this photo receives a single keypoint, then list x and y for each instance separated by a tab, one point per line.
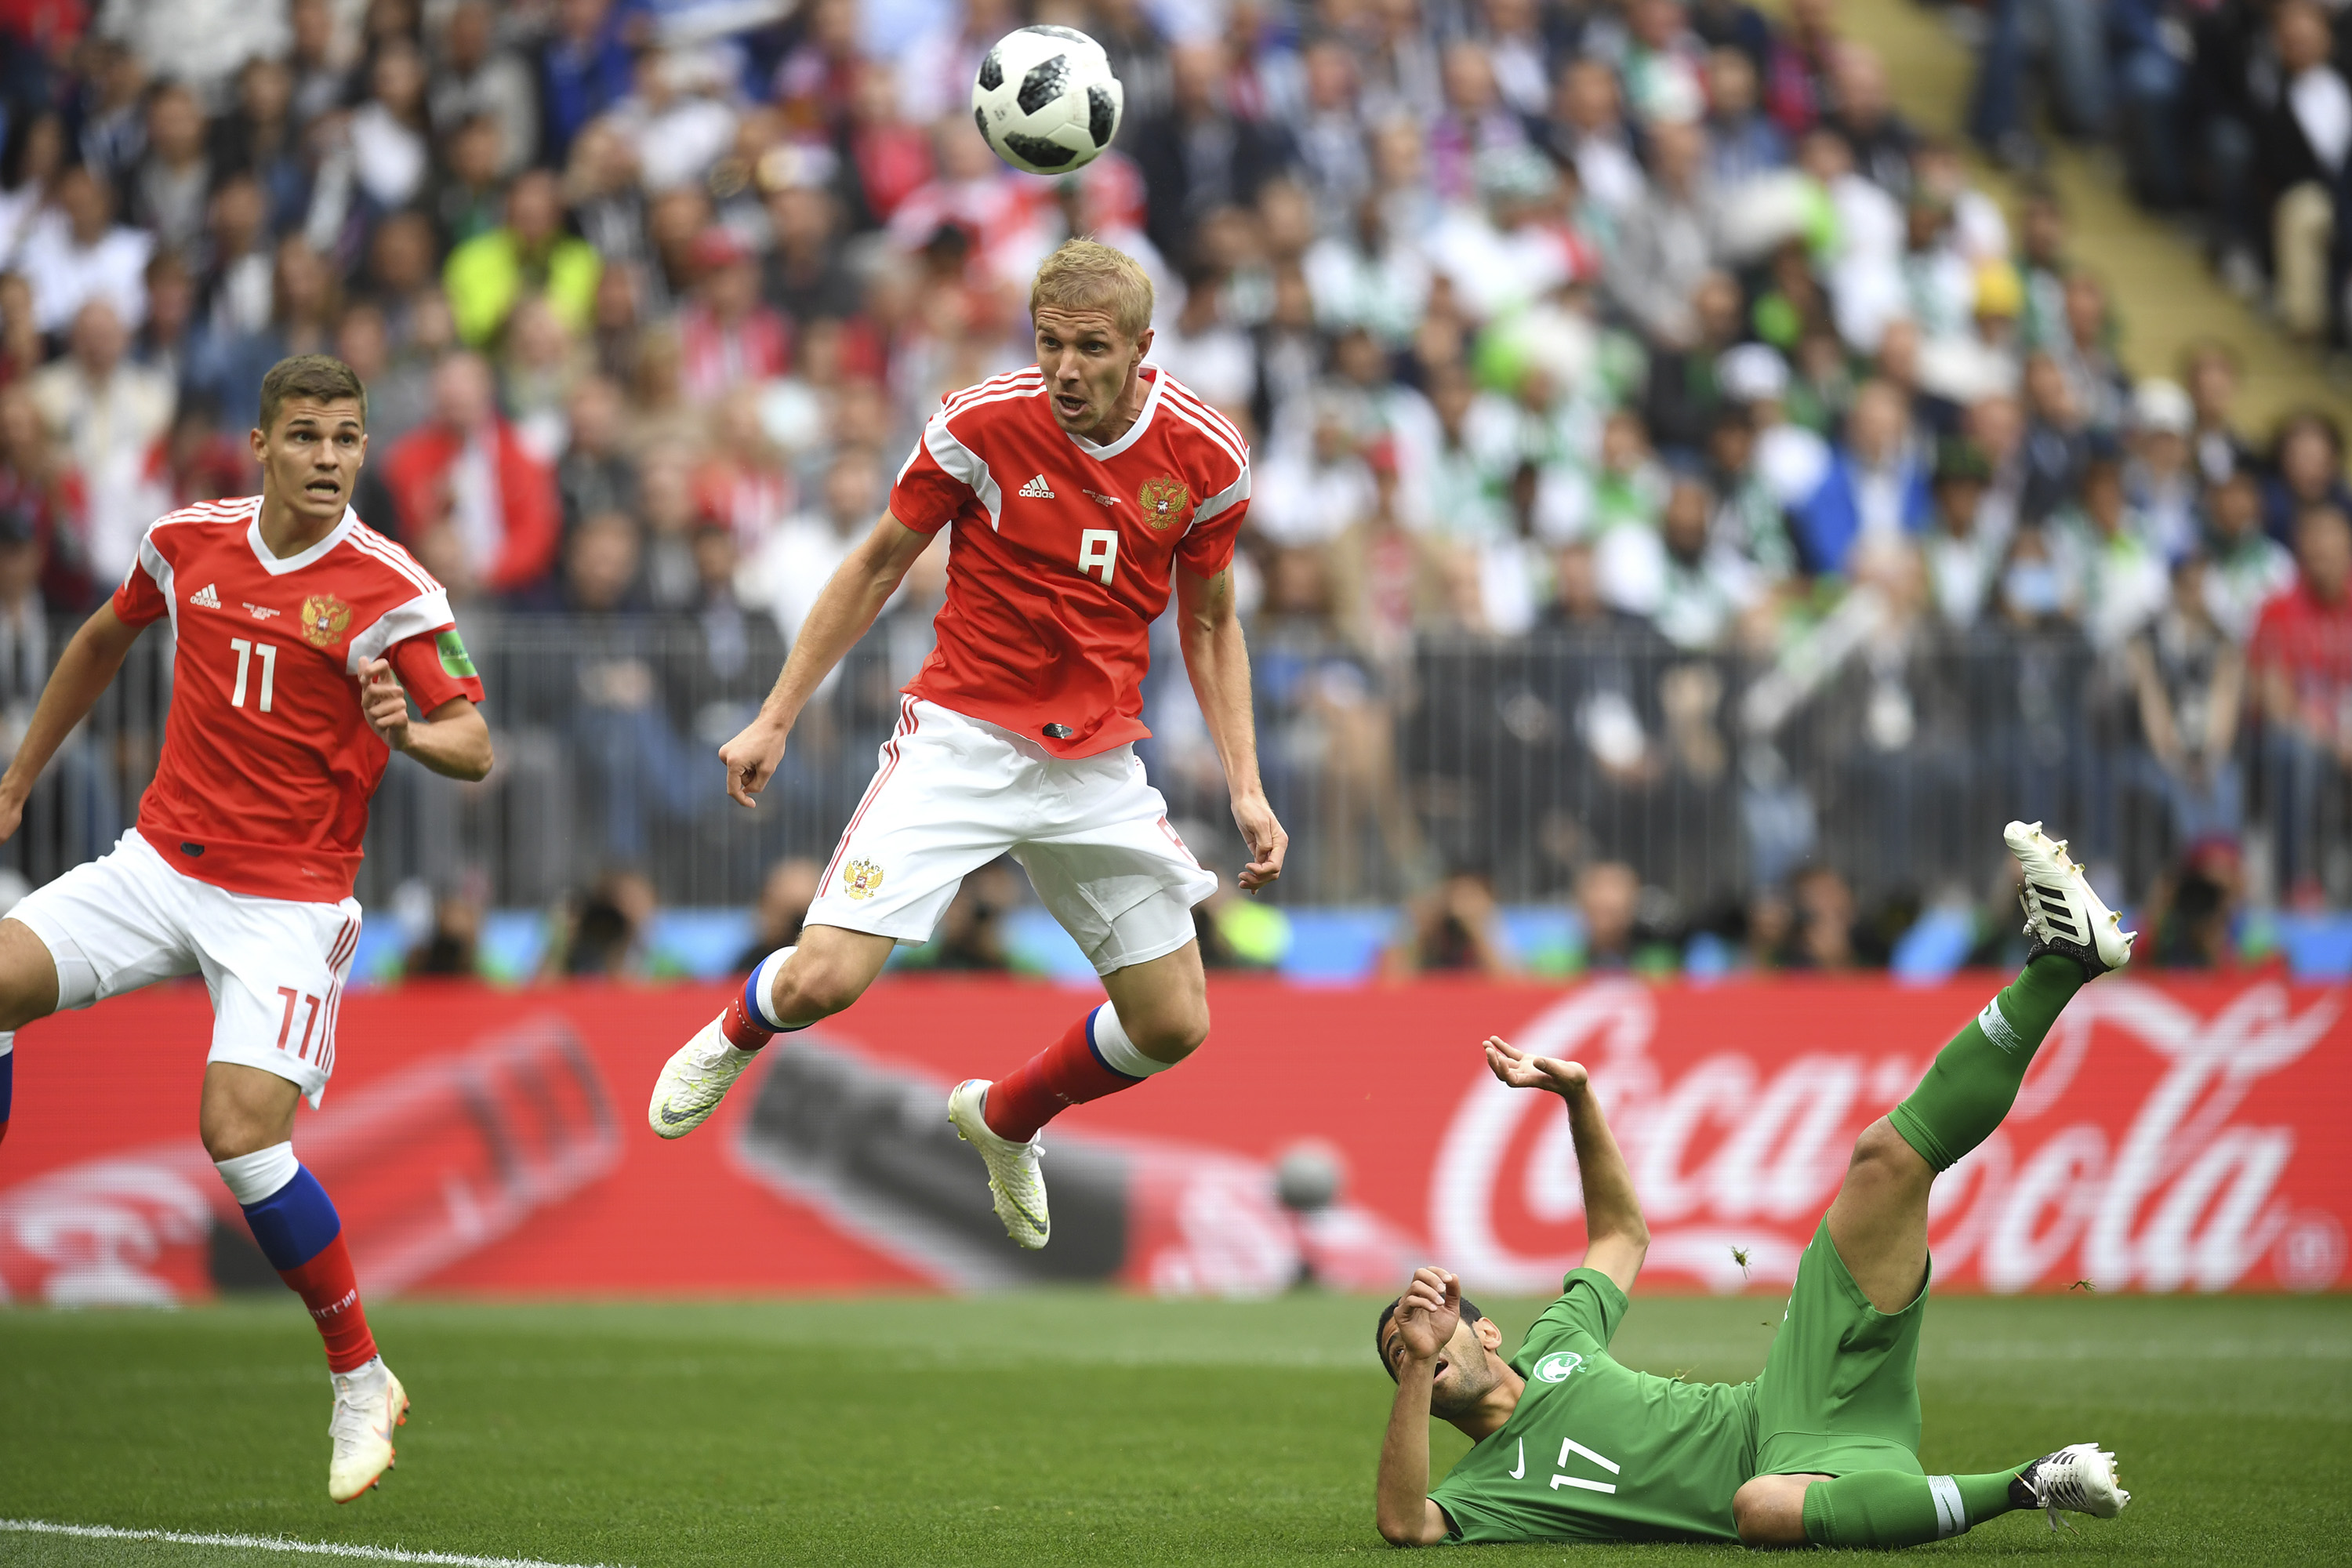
300	632
1076	489
1822	1447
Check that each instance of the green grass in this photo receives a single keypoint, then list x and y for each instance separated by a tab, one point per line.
1059	1427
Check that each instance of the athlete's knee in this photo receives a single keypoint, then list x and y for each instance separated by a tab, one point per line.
1770	1511
815	985
1170	1033
1882	1154
28	976
244	1110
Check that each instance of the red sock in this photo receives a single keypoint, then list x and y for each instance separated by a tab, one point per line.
742	1031
331	1291
1063	1074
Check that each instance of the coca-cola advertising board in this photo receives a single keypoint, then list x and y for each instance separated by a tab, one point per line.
2192	1135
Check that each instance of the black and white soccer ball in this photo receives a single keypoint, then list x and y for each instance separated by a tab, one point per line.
1045	100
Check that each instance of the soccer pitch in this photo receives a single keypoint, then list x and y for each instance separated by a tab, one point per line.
1065	1426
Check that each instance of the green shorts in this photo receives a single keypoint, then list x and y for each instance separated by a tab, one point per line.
1839	1391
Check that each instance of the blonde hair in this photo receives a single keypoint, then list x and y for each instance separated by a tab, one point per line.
1087	274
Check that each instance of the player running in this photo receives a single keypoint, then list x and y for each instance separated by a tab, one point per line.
300	632
1077	490
1822	1447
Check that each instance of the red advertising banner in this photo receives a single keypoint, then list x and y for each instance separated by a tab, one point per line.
2171	1136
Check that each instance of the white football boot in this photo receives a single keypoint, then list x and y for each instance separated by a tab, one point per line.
2079	1478
2061	914
369	1403
1015	1183
694	1081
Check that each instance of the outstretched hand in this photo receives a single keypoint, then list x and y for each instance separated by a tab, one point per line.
1429	1312
1525	1070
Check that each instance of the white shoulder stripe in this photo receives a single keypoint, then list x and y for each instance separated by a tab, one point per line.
1222	445
960	410
1199	404
960	462
955	401
1217	505
372	543
424	613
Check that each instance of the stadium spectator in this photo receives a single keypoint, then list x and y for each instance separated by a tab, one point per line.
971	934
1454	927
76	252
2209	371
168	187
1202	156
2302	668
583	69
2249	568
466	471
785	894
39	482
594	475
452	944
475	76
2189	685
727	335
105	413
1876	486
488	274
2306	470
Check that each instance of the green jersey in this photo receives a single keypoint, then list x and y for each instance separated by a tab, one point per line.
1597	1451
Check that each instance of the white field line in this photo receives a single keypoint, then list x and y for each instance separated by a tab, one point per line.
278	1544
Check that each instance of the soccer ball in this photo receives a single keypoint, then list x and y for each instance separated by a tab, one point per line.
1045	100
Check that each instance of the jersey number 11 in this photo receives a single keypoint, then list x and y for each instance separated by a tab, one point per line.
245	652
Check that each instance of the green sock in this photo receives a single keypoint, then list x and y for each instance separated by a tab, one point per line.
1892	1508
1973	1080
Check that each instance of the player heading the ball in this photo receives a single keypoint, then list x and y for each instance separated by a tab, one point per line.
1075	493
299	634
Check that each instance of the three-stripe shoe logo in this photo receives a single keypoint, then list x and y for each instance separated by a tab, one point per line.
206	598
1038	489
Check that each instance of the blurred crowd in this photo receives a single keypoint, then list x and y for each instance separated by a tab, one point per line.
1645	334
2234	113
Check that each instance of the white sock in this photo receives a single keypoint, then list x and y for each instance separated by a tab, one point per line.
764	989
252	1177
1108	1037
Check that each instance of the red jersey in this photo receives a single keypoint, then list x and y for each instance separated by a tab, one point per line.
1063	550
267	761
2310	642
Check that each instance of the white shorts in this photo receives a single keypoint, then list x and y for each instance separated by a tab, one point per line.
953	793
276	967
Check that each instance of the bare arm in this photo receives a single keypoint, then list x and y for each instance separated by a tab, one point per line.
1217	659
83	671
1426	1319
1617	1240
852	598
454	740
2221	710
2154	707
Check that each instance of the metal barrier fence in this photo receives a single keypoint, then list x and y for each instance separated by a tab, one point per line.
1894	761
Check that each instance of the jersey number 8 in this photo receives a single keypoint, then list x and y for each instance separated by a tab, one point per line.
1098	551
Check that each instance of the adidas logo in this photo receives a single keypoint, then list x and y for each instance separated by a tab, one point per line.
1038	489
204	598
